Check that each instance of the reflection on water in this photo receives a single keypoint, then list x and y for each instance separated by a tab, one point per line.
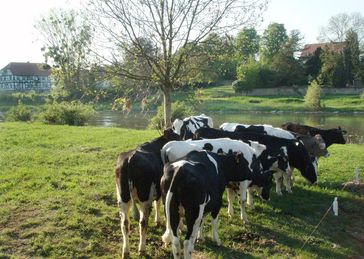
352	123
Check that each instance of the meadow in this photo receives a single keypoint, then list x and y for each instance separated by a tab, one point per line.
57	199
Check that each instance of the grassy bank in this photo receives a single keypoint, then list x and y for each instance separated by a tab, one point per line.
57	199
223	99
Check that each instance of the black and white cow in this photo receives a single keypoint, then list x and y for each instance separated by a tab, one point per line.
174	150
138	173
330	136
274	158
193	186
187	127
298	157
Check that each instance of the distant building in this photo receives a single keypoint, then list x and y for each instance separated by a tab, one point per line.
310	49
25	77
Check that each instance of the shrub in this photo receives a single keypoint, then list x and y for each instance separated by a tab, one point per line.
313	96
179	110
70	113
19	113
254	75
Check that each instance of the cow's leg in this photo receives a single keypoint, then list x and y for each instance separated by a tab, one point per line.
144	211
277	177
193	221
124	223
287	181
143	224
250	198
243	188
215	233
157	207
230	198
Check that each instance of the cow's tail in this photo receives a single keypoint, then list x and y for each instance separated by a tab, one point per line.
118	183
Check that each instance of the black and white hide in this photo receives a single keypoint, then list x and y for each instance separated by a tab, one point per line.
308	165
193	187
174	150
138	173
187	127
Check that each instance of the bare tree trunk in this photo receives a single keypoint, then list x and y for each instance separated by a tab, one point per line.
167	106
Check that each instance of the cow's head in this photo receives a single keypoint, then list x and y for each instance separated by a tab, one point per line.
303	162
177	125
265	182
311	171
170	135
320	147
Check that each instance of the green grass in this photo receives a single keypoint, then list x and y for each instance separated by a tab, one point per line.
223	99
57	199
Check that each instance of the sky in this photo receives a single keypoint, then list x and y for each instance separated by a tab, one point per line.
19	40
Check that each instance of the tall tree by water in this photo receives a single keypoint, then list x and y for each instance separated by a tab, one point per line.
170	25
247	44
67	37
274	38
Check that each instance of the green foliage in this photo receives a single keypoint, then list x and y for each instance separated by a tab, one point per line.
274	38
70	113
313	64
247	44
254	75
333	70
19	113
313	96
179	111
211	61
362	95
67	37
31	97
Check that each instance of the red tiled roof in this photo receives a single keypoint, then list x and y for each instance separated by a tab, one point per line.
28	69
310	49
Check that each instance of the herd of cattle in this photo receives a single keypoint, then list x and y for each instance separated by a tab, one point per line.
191	165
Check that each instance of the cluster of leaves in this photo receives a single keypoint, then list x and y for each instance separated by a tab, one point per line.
277	65
19	112
70	113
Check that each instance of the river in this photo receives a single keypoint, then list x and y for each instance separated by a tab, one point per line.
351	122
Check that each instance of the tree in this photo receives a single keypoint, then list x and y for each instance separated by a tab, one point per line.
352	53
313	64
247	44
67	37
289	70
313	96
274	38
171	25
339	25
210	61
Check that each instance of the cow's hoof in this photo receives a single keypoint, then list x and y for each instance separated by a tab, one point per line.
289	191
279	193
